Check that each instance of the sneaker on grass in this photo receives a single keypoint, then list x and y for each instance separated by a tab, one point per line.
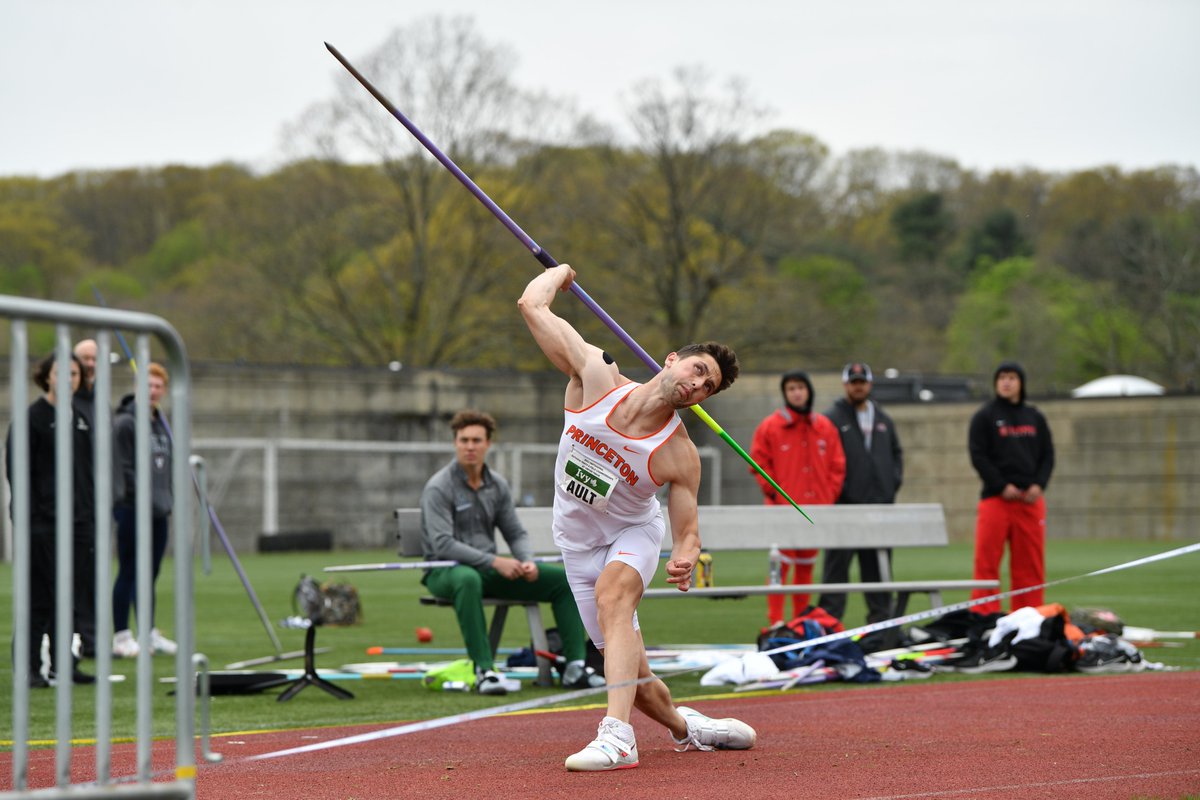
124	645
161	644
613	748
706	733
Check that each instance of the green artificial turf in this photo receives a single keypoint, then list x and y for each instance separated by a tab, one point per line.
1159	595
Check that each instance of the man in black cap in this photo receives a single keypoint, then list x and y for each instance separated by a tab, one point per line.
874	472
1011	450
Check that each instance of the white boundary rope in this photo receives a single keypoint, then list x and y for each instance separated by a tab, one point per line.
526	705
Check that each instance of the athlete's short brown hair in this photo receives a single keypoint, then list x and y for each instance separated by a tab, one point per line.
472	417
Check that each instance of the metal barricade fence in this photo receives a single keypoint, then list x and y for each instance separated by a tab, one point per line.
20	312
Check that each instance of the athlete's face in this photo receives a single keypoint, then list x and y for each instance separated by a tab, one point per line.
471	444
690	380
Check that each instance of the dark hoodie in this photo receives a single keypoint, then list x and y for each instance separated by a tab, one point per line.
797	375
1010	442
124	459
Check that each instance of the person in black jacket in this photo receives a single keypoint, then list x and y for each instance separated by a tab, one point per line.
1013	453
43	521
874	472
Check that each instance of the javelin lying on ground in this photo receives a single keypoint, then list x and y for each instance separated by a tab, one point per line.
548	261
416	565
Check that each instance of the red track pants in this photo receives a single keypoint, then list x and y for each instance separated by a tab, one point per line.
1022	526
800	564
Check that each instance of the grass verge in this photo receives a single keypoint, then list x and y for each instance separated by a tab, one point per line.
1159	595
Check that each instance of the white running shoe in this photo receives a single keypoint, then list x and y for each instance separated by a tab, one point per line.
161	644
124	645
489	682
706	733
608	751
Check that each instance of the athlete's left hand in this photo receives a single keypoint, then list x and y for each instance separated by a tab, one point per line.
529	571
679	572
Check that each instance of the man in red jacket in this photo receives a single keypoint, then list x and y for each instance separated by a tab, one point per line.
802	451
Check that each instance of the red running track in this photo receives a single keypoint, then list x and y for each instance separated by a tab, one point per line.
1070	736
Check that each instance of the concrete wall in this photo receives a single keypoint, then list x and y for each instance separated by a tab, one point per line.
1127	467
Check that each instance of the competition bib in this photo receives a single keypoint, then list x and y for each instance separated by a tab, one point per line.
590	480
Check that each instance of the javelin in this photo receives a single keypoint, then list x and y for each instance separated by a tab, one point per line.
394	565
548	261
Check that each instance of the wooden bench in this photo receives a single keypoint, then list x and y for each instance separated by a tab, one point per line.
408	536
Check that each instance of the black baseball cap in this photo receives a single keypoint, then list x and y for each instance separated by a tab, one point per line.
856	371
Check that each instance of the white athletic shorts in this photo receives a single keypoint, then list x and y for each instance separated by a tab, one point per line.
638	547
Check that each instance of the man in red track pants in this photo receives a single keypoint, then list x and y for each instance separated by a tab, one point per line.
1012	451
802	451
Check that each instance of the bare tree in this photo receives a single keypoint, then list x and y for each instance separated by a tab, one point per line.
695	199
395	270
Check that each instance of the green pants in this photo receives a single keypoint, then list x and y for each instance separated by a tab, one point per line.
467	587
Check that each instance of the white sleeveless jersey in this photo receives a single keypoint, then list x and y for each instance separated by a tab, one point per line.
602	480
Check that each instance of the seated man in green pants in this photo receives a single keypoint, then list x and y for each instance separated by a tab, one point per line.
462	505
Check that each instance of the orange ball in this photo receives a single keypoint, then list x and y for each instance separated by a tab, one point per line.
424	635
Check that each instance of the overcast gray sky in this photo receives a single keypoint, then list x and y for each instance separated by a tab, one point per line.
1053	85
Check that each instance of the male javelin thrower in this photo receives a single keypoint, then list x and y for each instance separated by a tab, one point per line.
622	441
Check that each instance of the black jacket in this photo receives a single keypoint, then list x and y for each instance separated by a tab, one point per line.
875	476
1010	444
42	471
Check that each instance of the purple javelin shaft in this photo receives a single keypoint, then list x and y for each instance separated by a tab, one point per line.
541	255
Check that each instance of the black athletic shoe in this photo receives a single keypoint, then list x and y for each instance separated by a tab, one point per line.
78	678
36	681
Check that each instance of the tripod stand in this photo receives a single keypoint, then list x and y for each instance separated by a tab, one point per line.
310	676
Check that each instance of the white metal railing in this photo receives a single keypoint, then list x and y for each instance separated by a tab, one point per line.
508	458
20	312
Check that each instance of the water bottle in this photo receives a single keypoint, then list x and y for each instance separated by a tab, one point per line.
775	566
456	686
704	572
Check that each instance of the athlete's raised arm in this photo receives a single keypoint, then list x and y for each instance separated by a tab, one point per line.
591	373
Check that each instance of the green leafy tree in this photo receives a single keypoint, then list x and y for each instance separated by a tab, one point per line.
1063	328
813	311
997	238
923	227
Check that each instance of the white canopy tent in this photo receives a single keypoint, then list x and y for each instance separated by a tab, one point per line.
1118	386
